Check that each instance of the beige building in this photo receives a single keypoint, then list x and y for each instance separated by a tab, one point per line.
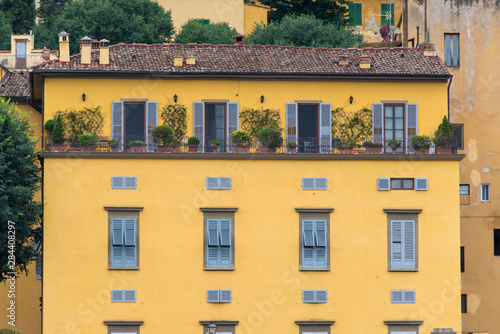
22	53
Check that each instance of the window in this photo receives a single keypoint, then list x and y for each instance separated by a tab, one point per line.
123	296
402	228
355	14
462	259
218	238
496	242
314	296
315	326
401	184
464	303
387	12
123	182
123	241
403	326
115	327
394	121
402	296
219	296
464	194
314	183
314	238
223	326
218	183
485	192
452	49
458	132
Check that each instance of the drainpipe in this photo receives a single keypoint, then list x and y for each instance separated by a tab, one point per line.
449	84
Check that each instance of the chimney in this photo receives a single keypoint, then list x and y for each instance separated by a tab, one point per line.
190	59
63	46
178	61
238	39
95	44
103	52
430	50
365	62
343	61
85	45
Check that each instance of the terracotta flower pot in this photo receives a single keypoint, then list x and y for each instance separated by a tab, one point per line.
443	150
420	150
138	148
56	147
242	149
374	150
113	147
166	149
266	150
192	148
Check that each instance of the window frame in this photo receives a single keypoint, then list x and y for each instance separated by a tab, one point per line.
451	48
459	127
402	215
487	187
314	326
124	213
314	214
463	303
496	242
223	326
403	326
402	182
219	213
123	326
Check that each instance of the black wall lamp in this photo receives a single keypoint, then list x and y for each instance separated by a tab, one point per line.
83	97
262	99
175	98
351	99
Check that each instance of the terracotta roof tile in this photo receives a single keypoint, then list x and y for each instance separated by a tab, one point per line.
239	59
15	84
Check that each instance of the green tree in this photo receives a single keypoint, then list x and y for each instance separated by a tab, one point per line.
332	11
49	10
5	32
303	30
19	181
20	14
138	21
201	32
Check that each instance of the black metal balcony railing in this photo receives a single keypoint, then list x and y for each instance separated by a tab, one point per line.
290	145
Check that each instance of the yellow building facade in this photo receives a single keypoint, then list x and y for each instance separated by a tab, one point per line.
284	242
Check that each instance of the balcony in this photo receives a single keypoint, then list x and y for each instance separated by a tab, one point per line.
27	61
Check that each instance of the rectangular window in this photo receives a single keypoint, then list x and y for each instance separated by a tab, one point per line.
462	259
401	184
458	132
123	296
123	182
387	12
314	296
496	242
218	183
464	189
219	296
355	14
464	303
314	244
485	192
452	49
402	296
403	244
218	238
125	326
123	240
314	183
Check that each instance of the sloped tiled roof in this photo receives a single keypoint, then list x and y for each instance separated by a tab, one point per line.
15	84
244	59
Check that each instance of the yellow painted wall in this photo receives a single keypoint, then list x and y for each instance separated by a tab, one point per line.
371	14
230	11
254	15
171	283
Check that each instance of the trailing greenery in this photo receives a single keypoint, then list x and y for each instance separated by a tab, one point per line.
20	177
58	135
163	135
444	134
78	122
254	119
20	14
193	141
331	11
421	142
88	139
136	143
175	116
353	127
270	137
369	143
196	31
138	21
5	32
303	30
241	138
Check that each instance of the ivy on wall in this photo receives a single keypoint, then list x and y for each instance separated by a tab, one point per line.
175	116
78	122
254	119
352	127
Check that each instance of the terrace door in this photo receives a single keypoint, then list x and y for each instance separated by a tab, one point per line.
134	123
215	126
308	128
20	55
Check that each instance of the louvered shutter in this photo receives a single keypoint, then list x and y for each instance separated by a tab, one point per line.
151	122
117	296
117	251
377	123
396	296
411	124
396	244
130	182
455	50
409	296
225	243
321	296
448	49
129	296
308	227
117	182
383	184
307	183
117	123
320	183
421	184
212	182
212	244
308	296
225	182
321	233
292	130
325	127
307	244
213	239
409	244
199	123
212	296
225	296
129	232
232	123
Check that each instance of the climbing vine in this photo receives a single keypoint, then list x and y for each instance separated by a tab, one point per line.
352	127
254	119
78	122
175	116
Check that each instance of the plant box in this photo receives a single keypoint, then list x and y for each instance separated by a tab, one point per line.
266	150
167	149
420	151
192	148
443	150
56	147
374	150
138	148
242	149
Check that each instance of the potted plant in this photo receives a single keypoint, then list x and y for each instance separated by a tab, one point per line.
292	146
394	145
113	144
137	146
88	141
193	144
346	147
214	144
57	137
269	139
241	139
443	137
163	136
421	144
372	148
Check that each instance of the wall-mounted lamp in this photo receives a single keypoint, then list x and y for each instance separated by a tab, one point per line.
351	99
83	97
175	98
262	99
211	328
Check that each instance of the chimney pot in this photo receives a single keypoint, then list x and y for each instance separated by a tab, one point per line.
430	50
365	62
343	60
190	58
178	60
238	39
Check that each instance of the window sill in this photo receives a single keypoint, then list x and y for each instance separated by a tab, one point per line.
314	269
402	269
123	268
218	269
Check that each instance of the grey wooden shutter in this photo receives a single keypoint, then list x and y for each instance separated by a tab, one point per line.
213	237
308	296
307	244
396	244
402	296
320	183
117	123
225	296
307	183
151	122
212	182
321	233
411	124
378	123
117	296
117	251
325	137
225	243
212	296
199	122
232	123
130	244
130	182
396	296
225	182
383	184
129	296
321	296
117	182
409	244
409	296
292	129
212	243
421	184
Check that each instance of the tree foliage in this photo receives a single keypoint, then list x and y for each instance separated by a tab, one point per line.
303	31
20	14
331	11
5	32
198	31
138	21
49	10
20	177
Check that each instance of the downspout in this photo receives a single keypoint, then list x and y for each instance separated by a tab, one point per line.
449	84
